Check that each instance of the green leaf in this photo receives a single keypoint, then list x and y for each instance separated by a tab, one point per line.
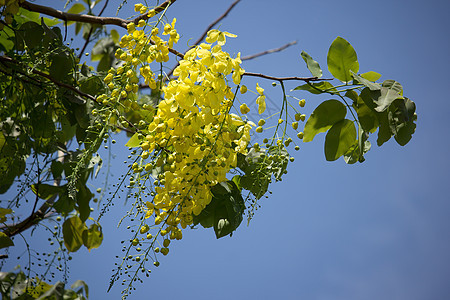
56	168
339	139
225	210
46	191
404	133
83	285
104	64
371	85
92	237
73	230
84	195
4	212
323	117
65	205
2	141
115	36
357	151
317	87
76	8
133	141
401	120
371	75
92	85
366	116
342	59
237	180
78	27
384	131
313	66
29	34
62	65
5	241
390	91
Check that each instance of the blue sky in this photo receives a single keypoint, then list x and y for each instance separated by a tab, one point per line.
377	230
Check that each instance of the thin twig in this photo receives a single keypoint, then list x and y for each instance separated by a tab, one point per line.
88	38
58	83
215	22
252	56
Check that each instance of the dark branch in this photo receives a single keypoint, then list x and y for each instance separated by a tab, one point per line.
49	11
33	219
248	57
88	18
306	79
94	19
61	84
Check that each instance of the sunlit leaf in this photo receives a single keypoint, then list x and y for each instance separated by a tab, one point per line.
73	230
313	66
46	191
371	85
323	117
133	141
92	237
342	59
371	76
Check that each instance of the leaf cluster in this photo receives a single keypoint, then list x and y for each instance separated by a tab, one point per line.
375	107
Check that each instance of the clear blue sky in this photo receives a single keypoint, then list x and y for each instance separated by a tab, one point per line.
377	230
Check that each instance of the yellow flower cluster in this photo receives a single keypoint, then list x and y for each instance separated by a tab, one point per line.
193	140
199	135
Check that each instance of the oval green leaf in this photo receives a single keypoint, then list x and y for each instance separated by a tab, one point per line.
92	237
323	117
371	75
342	59
5	241
339	139
133	141
73	230
313	66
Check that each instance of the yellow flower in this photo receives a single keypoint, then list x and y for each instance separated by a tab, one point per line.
137	7
259	89
131	28
244	109
216	35
261	101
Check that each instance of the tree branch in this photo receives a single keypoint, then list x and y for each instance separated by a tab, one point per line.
95	19
58	83
252	56
306	79
49	11
33	219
